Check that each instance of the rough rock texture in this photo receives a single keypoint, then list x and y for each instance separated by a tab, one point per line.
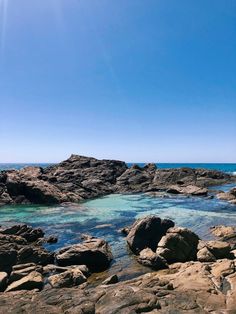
225	233
28	233
178	245
32	281
69	278
147	232
191	287
93	252
151	259
81	177
19	249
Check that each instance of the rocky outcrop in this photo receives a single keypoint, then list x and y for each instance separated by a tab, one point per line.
93	252
158	247
79	178
147	232
191	287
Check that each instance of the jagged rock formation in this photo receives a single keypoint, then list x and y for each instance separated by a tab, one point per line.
81	177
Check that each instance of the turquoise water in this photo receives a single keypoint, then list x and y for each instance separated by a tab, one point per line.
226	167
103	217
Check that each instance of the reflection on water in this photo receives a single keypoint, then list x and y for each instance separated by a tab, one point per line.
103	217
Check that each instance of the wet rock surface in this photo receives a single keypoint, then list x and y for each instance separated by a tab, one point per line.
80	177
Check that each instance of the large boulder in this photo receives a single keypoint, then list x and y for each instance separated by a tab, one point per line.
147	232
178	245
93	252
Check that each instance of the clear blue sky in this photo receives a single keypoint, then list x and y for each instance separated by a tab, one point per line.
137	80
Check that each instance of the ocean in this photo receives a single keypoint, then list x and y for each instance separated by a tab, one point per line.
225	167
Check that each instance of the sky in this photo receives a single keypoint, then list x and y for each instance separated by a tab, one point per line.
135	80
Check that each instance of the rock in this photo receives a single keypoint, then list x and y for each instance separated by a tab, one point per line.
69	278
32	281
80	177
3	281
148	258
188	190
94	253
20	273
8	257
183	288
37	255
229	196
28	233
219	249
52	239
225	233
147	232
178	245
204	255
110	280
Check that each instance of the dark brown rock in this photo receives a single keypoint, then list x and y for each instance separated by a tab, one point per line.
147	232
94	253
178	245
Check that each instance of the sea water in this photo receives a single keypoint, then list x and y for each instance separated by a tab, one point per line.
103	217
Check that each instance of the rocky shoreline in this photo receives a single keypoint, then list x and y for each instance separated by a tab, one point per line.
191	275
79	178
184	273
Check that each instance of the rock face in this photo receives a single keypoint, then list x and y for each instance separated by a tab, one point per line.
94	253
81	177
147	232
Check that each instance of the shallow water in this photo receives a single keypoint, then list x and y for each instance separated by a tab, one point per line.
103	217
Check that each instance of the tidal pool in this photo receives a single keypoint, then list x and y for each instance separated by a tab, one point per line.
103	217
